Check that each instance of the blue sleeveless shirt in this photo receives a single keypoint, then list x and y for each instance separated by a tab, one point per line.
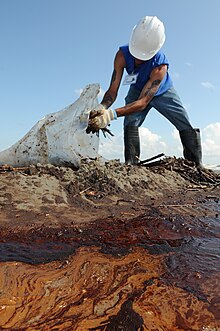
144	70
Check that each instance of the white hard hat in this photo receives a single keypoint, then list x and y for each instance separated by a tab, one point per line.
147	38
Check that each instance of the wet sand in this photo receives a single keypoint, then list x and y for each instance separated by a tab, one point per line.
84	252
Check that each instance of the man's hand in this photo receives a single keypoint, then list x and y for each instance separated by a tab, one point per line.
99	119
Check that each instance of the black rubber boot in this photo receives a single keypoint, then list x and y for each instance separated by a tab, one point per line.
132	145
192	149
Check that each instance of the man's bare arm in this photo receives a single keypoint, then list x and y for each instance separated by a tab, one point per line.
112	92
147	94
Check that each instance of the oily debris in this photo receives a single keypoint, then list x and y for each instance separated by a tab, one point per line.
187	169
107	175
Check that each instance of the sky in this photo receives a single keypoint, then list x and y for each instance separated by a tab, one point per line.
52	49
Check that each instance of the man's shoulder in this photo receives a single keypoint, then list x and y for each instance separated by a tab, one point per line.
124	48
160	57
160	53
120	59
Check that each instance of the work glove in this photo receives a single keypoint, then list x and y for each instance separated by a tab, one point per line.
99	107
100	118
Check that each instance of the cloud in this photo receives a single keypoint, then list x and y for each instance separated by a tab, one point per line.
111	147
174	145
208	85
211	140
189	64
175	134
212	131
151	144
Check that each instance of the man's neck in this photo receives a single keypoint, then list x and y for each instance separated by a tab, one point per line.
137	62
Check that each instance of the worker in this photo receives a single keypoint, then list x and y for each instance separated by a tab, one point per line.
150	86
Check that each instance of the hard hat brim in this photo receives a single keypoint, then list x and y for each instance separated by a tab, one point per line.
140	55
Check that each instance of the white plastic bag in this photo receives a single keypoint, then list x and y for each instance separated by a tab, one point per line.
59	138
